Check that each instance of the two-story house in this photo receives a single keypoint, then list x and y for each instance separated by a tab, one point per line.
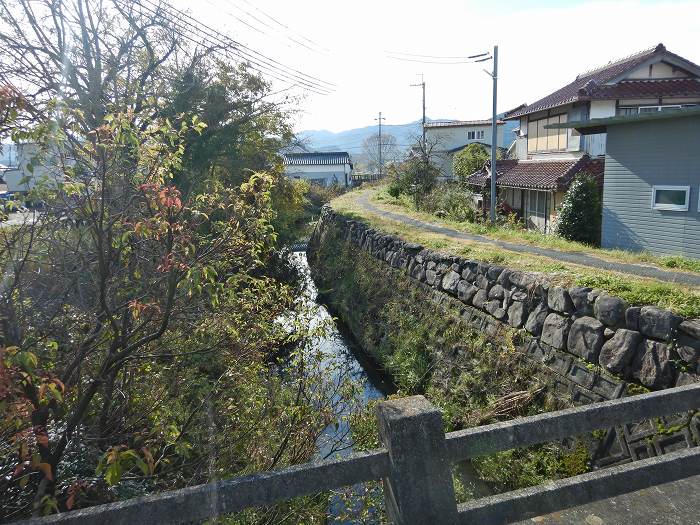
448	137
547	160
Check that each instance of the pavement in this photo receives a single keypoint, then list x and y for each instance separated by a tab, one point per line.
580	258
676	503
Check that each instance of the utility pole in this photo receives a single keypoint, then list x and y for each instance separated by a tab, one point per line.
381	167
494	135
422	85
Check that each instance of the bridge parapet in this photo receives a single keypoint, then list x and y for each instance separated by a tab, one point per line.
415	465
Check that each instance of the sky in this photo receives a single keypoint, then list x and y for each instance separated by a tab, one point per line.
543	45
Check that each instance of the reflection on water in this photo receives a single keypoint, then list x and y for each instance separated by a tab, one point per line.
343	361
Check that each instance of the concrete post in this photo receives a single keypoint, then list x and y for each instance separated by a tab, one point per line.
419	488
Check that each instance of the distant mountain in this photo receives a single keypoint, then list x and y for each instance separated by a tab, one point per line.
351	139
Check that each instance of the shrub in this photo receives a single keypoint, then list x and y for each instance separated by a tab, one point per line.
471	159
411	177
581	212
450	201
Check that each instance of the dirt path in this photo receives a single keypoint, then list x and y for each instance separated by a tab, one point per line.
579	258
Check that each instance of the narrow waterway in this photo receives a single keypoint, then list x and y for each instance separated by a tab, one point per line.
345	363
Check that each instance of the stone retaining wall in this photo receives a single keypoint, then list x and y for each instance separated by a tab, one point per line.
592	346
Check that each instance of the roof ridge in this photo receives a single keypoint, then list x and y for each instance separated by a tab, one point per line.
654	49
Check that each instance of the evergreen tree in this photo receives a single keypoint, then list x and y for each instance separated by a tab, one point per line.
581	212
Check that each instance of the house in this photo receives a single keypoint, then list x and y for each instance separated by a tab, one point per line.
18	176
550	155
448	137
325	169
651	195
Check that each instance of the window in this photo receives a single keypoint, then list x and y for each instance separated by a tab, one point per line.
480	134
635	110
541	139
673	198
470	135
475	135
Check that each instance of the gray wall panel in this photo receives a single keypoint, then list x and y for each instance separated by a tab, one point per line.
642	155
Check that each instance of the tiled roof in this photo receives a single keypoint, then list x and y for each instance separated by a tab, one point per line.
316	159
590	81
460	123
678	87
551	175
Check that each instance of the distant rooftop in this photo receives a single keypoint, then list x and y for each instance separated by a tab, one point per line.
459	123
316	159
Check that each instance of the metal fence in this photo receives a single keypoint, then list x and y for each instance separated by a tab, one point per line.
416	466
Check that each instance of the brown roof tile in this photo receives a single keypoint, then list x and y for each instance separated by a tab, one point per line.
590	81
680	87
550	175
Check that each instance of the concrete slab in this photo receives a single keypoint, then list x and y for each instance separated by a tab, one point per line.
676	503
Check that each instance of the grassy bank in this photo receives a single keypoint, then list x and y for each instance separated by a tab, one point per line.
428	349
682	299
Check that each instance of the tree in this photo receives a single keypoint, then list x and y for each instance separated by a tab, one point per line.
141	309
413	177
580	215
470	160
390	151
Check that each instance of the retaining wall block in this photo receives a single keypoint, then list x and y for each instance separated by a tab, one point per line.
658	323
466	291
517	314
690	327
522	280
494	272
504	278
559	300
555	331
536	319
479	299
618	352
496	292
610	310
579	298
586	338
450	281
688	349
652	365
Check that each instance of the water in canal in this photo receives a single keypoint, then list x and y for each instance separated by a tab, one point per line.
343	360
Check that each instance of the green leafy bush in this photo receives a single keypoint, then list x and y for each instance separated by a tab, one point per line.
581	212
451	201
471	159
411	177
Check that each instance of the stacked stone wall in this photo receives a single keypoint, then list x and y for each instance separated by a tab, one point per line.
592	346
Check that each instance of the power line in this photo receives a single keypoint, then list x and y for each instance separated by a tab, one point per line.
230	47
258	29
441	63
242	48
256	60
273	19
434	56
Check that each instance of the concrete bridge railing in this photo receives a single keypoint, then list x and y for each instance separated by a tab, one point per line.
415	465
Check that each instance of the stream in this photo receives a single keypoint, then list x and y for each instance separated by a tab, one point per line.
343	360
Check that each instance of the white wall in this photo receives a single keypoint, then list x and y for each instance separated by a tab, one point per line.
446	138
21	179
330	173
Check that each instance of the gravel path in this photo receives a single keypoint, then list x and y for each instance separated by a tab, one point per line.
579	258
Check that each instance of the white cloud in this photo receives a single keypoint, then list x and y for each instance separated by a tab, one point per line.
541	47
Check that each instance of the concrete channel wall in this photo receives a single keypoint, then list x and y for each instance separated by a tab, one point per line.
590	345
